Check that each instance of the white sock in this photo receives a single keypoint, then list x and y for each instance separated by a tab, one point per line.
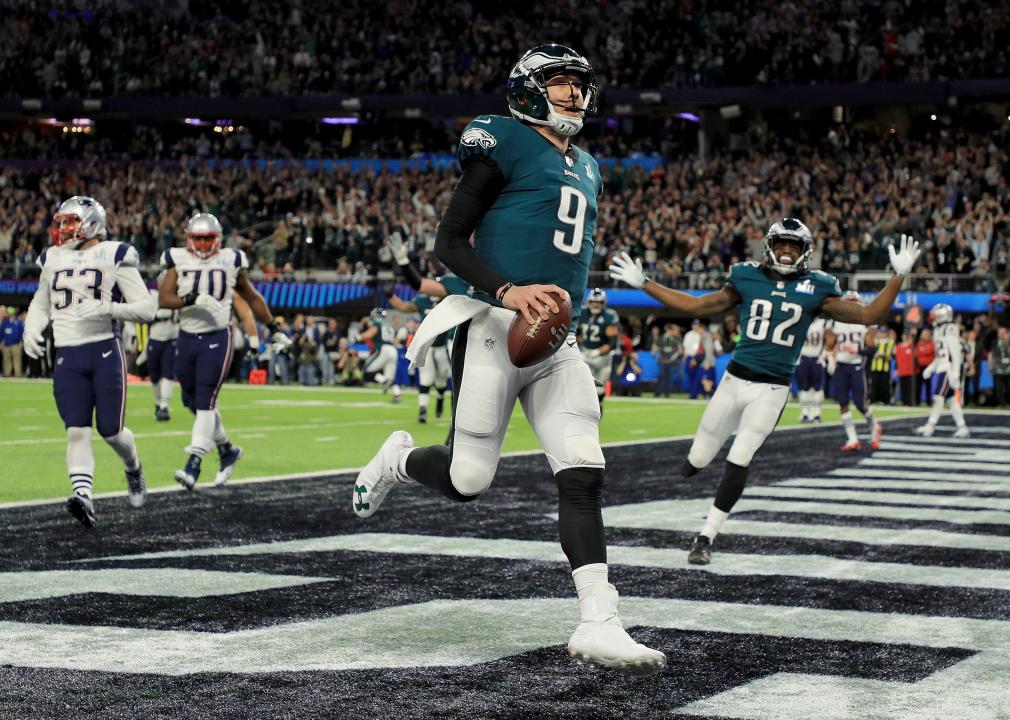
401	464
597	597
955	410
126	448
934	414
818	399
805	404
203	433
713	524
422	400
156	391
220	437
80	460
166	386
396	390
869	419
850	428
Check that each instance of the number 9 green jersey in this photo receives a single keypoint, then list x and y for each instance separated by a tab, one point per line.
540	228
775	315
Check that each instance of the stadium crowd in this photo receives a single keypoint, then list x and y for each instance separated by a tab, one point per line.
175	47
685	217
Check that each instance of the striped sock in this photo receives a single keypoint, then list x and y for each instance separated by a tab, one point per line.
81	484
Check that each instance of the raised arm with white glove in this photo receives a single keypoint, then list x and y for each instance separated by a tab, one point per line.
903	260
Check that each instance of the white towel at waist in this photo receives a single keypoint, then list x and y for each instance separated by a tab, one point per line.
450	312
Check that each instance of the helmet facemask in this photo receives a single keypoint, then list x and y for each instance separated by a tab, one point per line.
78	220
529	97
203	245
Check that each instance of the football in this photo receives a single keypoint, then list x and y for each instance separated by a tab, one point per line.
530	344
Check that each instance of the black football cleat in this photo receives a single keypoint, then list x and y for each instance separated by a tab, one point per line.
83	509
701	551
422	415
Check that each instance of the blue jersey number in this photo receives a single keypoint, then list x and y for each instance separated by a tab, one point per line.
571	211
95	286
216	282
761	318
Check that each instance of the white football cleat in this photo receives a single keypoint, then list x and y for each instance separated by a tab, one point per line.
924	431
601	640
962	432
380	474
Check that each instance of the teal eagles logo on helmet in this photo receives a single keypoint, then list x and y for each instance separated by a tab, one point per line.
792	230
527	88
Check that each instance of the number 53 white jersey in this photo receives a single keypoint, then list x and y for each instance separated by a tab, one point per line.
214	276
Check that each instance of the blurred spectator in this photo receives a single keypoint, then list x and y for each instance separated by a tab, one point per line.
924	355
12	330
906	369
669	349
999	365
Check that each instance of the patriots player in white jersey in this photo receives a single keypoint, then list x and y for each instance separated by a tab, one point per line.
846	343
199	281
89	284
945	371
810	371
160	353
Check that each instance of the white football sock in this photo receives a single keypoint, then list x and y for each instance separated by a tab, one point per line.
126	448
80	460
396	390
713	524
869	419
220	436
156	391
203	433
850	427
805	404
818	399
934	414
422	400
166	386
955	410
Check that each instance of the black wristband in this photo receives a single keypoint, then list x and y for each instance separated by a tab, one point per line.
412	275
505	288
188	300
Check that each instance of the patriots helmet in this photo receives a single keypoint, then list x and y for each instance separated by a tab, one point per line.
596	300
789	230
79	219
941	314
526	89
203	235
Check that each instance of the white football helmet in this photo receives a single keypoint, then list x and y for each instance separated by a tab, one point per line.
79	219
792	230
203	235
941	314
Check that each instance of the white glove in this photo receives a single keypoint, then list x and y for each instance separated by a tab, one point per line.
94	310
628	271
142	358
208	303
34	344
904	260
279	342
927	372
398	248
832	365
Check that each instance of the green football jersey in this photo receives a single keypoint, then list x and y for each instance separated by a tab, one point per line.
540	228
453	286
775	315
385	335
593	328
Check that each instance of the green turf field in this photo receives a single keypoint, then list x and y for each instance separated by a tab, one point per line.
284	430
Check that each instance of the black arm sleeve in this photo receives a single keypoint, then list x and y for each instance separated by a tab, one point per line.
477	190
412	275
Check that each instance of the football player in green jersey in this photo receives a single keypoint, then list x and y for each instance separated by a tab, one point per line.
528	196
436	372
384	358
778	300
598	330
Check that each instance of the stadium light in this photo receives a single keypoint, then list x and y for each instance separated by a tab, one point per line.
340	121
932	117
193	121
690	117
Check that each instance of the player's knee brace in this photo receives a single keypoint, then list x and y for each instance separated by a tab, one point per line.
730	487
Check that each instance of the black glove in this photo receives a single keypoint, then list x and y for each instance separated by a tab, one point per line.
188	300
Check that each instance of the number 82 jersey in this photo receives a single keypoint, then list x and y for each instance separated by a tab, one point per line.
539	230
775	314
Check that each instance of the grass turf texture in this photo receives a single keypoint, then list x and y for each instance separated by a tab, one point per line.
284	430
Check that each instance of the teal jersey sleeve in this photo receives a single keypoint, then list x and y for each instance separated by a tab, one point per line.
489	137
454	285
775	313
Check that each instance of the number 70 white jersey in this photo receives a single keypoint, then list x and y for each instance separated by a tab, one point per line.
214	276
